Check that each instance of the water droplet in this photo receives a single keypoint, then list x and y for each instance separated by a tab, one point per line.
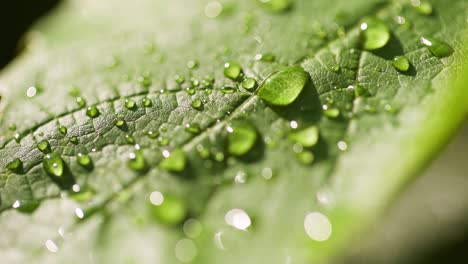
130	139
376	33
203	151
163	141
197	104
15	165
293	124
147	102
167	209
283	87
74	140
174	161
82	196
228	90
120	123
423	7
26	206
193	128
84	160
137	161
317	226
238	218
192	228
179	79
267	173
31	91
185	250
191	64
12	126
342	145
213	9
401	63
130	104
80	101
438	48
51	246
330	112
53	164
276	5
153	134
232	70
241	138
307	137
44	146
249	84
336	68
241	177
305	157
144	80
63	130
92	111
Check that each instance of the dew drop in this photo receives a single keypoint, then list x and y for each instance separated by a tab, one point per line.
130	104
63	130
423	7
401	63
192	64
51	246
16	166
147	102
305	157
84	160
438	48
136	161
53	164
163	141
144	80
193	128
12	126
92	111
232	70
213	9
238	218
242	136
167	209
376	33
120	123
173	161
283	87
197	104
228	90
31	91
153	134
26	206
74	140
249	84
81	102
44	146
317	226
267	173
179	79
330	112
307	137
130	139
276	6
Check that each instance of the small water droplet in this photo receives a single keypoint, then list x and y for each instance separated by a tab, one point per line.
74	140
401	63
80	101
185	250
16	166
197	104
81	195
249	84
191	64
54	165
12	126
376	33
336	68
342	145
120	123
44	146
137	161
241	177
31	91
276	6
422	7
241	138
63	130
232	70
179	79
438	48
267	173
192	228
152	134
203	151
130	139
305	157
51	246
330	112
283	87
193	128
213	9
228	90
173	161
26	206
163	141
167	209
147	102
130	104
307	137
92	111
293	124
144	80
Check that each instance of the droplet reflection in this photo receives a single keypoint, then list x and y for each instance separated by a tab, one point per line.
317	226
238	218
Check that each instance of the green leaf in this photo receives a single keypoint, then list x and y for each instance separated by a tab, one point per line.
280	201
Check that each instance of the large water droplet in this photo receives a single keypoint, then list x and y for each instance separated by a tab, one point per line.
241	138
401	63
92	111
16	166
167	209
307	137
376	33
438	48
53	164
232	70
283	87
174	161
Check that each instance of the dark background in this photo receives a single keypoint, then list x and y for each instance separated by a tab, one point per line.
16	16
